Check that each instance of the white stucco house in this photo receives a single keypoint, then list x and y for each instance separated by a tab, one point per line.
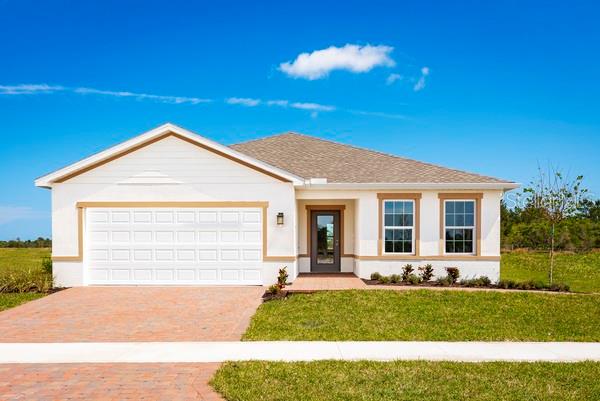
170	207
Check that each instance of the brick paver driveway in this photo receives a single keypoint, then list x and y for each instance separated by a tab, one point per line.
102	314
115	382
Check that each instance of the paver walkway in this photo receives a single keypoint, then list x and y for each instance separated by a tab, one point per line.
182	352
133	314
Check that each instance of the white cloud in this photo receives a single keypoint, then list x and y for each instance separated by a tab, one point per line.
244	101
354	58
14	213
379	114
393	78
28	89
311	106
142	96
420	85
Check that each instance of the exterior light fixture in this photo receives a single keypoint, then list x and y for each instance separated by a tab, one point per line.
280	218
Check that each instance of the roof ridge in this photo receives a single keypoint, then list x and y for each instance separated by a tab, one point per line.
376	152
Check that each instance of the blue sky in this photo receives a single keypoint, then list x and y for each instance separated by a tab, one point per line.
492	88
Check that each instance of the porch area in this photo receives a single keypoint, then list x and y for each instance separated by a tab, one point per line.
311	282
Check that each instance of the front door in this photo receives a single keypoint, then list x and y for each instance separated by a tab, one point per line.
325	241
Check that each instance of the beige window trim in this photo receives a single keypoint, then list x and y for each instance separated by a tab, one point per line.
416	197
477	197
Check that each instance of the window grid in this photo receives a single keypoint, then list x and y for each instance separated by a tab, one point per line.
398	226
459	226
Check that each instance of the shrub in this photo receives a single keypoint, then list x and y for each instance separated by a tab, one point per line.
413	279
507	284
384	280
376	276
407	271
395	278
25	281
453	274
426	272
47	265
282	277
444	281
562	287
485	280
539	285
274	289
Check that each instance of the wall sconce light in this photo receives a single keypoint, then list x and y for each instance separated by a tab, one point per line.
280	218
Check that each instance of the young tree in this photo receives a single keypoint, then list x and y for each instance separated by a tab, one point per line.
556	197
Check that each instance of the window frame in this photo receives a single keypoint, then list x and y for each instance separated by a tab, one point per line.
412	228
473	227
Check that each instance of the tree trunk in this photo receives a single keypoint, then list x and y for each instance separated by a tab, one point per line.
551	254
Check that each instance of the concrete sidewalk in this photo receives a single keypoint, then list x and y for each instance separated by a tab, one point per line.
180	352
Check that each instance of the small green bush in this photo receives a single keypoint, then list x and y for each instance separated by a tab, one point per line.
395	278
25	281
282	277
413	279
539	285
453	274
562	287
376	276
273	289
444	281
384	280
426	272
407	271
47	265
485	280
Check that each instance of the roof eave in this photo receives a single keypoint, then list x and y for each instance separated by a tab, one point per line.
504	186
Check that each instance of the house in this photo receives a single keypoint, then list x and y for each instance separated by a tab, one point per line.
171	207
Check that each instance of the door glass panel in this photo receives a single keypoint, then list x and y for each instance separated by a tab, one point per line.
325	239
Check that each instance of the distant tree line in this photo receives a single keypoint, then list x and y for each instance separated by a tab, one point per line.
18	243
529	227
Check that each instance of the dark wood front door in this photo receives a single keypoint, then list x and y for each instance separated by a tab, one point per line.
325	241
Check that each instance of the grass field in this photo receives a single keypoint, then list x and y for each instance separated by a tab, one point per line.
428	316
16	299
580	271
371	381
22	258
22	276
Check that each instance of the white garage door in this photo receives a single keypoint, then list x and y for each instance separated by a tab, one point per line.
173	246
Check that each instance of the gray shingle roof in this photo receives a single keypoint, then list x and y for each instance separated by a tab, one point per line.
311	157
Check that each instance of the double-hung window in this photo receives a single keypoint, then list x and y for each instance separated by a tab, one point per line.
459	225
398	226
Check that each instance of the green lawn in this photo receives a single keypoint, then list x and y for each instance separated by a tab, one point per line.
580	271
21	270
337	380
16	299
428	315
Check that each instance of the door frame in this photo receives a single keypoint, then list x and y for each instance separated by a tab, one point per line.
309	226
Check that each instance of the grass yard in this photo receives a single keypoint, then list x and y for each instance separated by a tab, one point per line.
15	299
428	316
580	271
341	380
22	277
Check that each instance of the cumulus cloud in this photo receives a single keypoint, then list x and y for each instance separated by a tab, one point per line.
15	213
142	96
393	78
354	58
244	101
420	84
280	103
28	89
311	106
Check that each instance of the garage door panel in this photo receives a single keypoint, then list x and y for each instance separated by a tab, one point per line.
174	246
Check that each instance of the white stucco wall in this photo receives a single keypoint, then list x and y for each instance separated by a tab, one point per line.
172	170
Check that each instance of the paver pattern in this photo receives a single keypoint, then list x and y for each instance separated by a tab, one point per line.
147	381
103	314
326	281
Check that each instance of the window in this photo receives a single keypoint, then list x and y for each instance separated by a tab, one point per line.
398	226
459	226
